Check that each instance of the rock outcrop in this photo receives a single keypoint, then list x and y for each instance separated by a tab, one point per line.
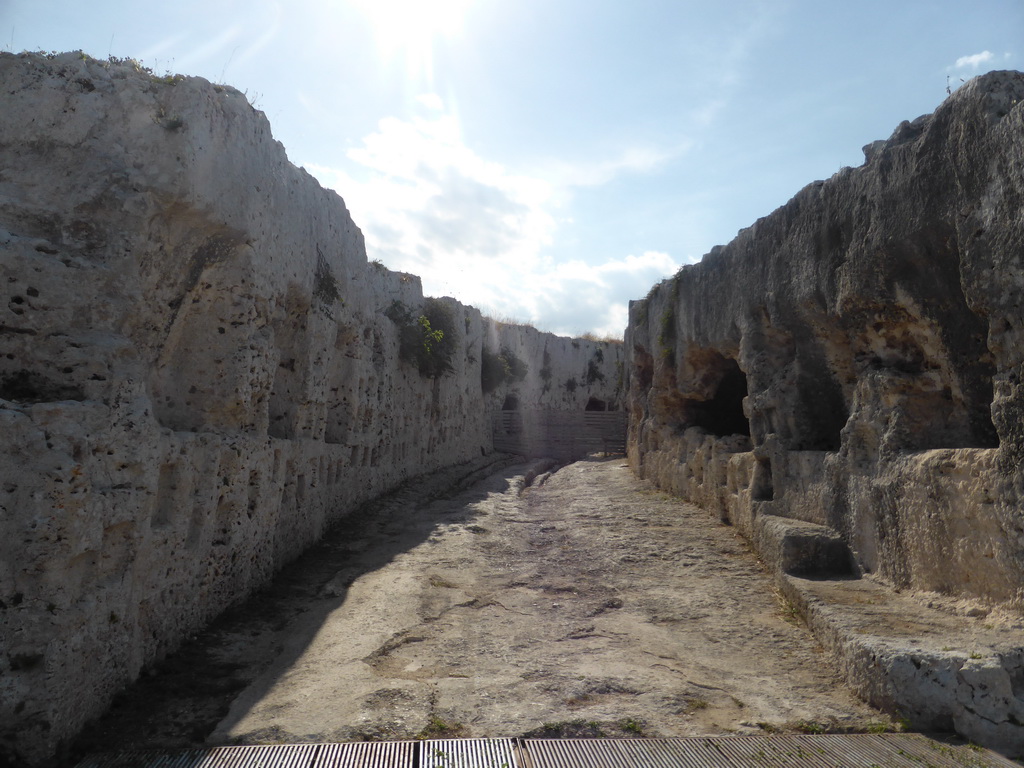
843	380
199	372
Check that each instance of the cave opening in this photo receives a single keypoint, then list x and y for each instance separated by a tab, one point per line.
821	412
723	414
596	404
511	403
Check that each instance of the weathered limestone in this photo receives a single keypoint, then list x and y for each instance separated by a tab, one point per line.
563	373
199	372
853	361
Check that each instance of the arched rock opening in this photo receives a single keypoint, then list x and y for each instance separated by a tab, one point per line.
723	414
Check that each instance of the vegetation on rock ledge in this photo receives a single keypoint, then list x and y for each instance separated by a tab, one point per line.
496	368
427	341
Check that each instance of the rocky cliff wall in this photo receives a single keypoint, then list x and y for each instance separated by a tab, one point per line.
560	373
854	360
199	372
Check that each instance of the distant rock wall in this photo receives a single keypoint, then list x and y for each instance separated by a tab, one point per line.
854	360
562	373
199	372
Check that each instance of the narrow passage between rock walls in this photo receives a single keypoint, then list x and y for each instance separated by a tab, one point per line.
576	602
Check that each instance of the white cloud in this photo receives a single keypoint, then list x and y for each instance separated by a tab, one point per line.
474	229
974	61
431	101
575	297
596	173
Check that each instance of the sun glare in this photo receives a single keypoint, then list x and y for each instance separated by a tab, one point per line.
409	27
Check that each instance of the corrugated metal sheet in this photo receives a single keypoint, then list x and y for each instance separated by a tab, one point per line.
616	753
917	750
862	749
819	751
565	435
276	756
788	751
467	753
369	754
187	759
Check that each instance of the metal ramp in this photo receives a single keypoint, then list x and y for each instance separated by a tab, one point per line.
818	751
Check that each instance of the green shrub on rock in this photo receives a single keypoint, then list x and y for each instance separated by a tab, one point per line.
496	368
427	341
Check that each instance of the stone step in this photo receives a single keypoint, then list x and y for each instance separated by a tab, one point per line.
801	548
921	659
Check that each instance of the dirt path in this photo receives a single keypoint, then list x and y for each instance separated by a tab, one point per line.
585	603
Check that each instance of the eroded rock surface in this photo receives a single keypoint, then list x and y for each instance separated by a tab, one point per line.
199	372
853	361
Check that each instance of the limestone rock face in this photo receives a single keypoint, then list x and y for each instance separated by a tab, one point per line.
199	371
560	374
854	359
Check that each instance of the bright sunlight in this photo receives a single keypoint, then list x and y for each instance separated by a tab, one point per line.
409	28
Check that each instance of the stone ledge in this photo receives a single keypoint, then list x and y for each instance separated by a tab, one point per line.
800	548
938	670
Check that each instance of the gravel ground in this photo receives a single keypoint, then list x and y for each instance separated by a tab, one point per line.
579	602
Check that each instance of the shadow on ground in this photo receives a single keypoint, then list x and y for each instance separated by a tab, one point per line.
178	701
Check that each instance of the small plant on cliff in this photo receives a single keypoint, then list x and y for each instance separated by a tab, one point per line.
517	368
594	372
809	727
498	367
167	79
632	726
428	340
492	371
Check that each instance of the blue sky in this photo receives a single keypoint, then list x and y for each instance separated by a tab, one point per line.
549	160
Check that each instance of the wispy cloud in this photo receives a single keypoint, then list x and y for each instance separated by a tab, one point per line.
603	170
476	230
431	101
974	61
576	296
419	180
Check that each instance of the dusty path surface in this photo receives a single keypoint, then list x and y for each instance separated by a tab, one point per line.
580	602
